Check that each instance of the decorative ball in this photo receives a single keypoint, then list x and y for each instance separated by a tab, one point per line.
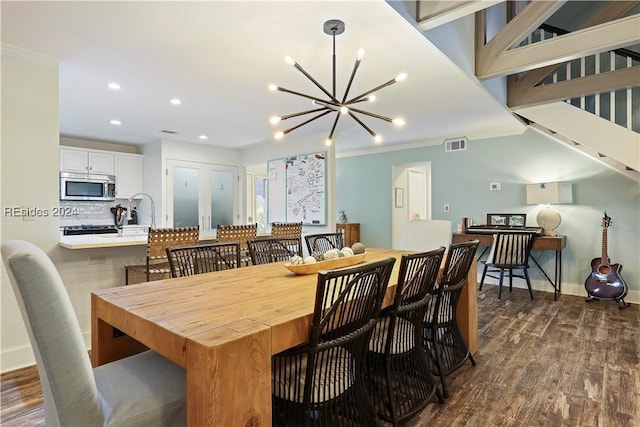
346	251
332	254
297	260
358	248
310	260
319	256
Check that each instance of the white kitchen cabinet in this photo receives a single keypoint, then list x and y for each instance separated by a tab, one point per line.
129	175
86	161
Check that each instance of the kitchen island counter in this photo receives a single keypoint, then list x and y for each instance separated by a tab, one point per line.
90	241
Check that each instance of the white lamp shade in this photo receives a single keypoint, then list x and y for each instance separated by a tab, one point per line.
549	192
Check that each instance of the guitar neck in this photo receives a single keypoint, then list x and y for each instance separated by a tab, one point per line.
605	258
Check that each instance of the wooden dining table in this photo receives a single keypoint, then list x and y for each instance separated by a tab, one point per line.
223	327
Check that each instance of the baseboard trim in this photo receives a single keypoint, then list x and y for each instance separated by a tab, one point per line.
575	289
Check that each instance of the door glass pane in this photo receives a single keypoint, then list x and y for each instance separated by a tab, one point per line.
221	198
261	204
186	196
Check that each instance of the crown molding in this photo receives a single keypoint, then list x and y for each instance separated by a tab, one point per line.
15	52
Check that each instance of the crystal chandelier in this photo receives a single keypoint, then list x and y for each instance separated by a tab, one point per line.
332	104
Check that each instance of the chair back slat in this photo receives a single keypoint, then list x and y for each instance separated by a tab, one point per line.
268	250
190	260
159	239
237	233
286	229
459	259
511	249
323	242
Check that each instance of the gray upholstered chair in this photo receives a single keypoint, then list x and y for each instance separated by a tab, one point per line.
141	390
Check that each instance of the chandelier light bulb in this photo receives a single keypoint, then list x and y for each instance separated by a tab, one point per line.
401	77
327	142
398	121
371	98
273	87
289	60
278	135
360	54
344	110
377	138
275	119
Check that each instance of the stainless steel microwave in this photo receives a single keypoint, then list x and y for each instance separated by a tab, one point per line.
82	186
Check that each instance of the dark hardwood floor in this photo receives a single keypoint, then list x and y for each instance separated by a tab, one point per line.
540	363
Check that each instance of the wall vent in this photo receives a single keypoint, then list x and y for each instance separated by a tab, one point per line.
455	144
171	132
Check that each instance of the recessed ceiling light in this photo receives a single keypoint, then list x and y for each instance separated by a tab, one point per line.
115	122
176	101
114	86
203	137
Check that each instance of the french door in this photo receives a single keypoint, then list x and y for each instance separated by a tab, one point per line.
202	194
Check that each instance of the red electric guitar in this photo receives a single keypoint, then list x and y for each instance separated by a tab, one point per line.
605	282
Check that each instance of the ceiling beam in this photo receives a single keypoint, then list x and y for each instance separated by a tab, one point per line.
603	82
519	85
516	30
589	41
432	14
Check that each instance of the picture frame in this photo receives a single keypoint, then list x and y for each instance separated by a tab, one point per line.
506	220
399	198
497	219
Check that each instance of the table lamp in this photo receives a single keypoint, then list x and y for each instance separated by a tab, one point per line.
549	193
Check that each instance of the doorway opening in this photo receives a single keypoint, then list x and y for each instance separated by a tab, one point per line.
413	181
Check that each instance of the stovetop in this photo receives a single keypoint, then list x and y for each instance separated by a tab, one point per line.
74	230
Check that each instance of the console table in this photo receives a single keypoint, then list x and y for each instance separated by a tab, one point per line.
351	232
543	243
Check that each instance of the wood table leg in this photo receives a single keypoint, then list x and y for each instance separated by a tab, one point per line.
105	345
467	311
230	384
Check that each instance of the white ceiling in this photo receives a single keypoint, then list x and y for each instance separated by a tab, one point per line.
219	57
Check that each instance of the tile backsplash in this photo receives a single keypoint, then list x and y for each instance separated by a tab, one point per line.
95	213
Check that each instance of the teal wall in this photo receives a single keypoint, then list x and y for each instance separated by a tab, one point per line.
461	179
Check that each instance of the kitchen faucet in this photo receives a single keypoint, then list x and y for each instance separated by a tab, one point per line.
153	208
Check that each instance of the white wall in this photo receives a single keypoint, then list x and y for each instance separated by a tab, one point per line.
30	167
30	133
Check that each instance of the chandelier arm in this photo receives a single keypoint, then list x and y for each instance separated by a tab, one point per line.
302	113
315	82
333	128
306	121
377	116
353	74
353	116
314	98
375	89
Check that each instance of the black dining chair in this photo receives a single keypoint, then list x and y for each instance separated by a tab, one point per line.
324	241
509	253
268	250
322	382
399	372
442	336
190	260
158	240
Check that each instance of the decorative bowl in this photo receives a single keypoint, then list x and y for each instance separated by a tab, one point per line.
329	264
